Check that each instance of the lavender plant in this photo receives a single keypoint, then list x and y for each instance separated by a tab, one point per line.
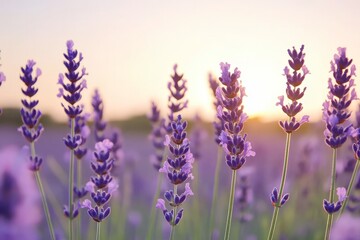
335	113
71	93
101	185
32	129
177	167
235	145
294	94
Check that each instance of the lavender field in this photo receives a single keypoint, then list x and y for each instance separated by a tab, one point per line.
302	218
179	120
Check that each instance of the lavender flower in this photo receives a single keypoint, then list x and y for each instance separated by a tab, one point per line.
235	145
335	113
341	94
293	92
71	92
331	207
230	110
177	88
178	169
157	136
101	185
30	115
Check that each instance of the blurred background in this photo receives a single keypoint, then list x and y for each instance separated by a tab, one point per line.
129	50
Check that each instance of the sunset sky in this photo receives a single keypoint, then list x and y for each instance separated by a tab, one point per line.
130	47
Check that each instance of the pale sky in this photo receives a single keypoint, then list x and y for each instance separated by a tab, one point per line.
130	47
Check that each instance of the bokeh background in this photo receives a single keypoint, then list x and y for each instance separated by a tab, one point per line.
129	50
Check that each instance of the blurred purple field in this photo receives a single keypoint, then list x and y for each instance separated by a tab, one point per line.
302	218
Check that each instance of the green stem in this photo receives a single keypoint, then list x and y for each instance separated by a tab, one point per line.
98	230
231	206
215	192
153	214
71	180
348	191
282	184
149	235
331	195
174	217
42	193
79	180
196	221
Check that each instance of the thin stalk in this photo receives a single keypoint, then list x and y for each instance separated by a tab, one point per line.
43	197
351	183
282	184
79	180
174	217
71	180
331	195
196	222
215	192
98	230
153	209
230	207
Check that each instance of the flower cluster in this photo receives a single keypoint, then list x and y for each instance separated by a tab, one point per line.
71	92
101	185
230	110
274	198
177	88
341	94
293	91
157	136
31	128
178	169
330	207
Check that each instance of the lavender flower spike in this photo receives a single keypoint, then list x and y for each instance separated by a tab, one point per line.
293	92
71	91
177	167
30	115
341	94
101	185
335	113
230	111
32	129
177	88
